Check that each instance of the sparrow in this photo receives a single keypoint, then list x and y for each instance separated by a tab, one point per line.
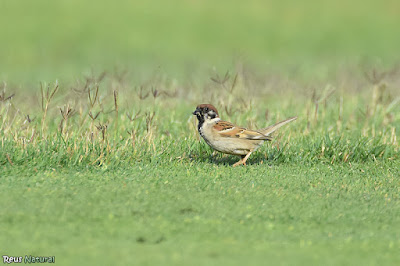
228	138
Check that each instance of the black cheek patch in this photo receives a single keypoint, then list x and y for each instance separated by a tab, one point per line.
212	114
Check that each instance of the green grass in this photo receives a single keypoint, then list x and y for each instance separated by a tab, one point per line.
44	40
135	184
107	168
205	213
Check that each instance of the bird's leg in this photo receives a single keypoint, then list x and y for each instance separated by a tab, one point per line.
240	161
243	160
246	157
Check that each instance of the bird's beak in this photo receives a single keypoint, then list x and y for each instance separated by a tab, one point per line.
196	111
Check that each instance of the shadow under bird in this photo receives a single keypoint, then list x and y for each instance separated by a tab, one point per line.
228	138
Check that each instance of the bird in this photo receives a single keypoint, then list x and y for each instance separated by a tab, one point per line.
225	137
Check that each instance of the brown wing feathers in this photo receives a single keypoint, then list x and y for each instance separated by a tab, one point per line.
223	125
228	130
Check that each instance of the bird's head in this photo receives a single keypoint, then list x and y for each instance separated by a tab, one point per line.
205	112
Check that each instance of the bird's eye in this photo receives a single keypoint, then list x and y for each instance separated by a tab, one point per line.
205	109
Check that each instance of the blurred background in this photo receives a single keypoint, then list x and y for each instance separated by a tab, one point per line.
48	40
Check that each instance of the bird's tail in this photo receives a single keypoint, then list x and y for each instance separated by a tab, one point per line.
269	130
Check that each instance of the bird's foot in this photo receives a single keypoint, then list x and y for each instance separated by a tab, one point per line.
241	162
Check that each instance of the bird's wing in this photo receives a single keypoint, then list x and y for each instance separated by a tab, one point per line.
229	130
269	130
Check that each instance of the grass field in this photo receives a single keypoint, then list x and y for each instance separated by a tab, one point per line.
101	163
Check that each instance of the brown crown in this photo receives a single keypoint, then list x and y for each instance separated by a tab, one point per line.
209	106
